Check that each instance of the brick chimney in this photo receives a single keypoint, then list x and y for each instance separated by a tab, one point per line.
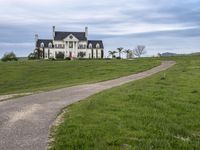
54	34
36	39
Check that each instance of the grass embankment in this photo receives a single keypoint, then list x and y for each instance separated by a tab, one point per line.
154	113
30	76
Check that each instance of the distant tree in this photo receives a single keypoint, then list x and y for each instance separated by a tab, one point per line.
127	52
120	49
9	57
81	54
112	53
159	55
139	50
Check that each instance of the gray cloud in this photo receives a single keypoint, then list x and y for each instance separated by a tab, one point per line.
118	23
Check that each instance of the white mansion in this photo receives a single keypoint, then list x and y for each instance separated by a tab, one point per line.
70	44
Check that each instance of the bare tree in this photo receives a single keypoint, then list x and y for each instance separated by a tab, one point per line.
140	50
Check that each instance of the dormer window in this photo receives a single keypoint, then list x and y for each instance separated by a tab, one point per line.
90	45
42	45
97	46
50	45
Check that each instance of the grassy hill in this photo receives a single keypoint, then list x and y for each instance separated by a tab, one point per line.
29	76
160	112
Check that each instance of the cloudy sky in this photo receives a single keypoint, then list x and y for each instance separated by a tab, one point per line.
161	25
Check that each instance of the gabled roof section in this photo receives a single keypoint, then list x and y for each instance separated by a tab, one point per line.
62	35
95	42
45	41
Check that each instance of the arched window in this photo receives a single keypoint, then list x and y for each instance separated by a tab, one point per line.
90	45
42	45
50	45
97	46
80	46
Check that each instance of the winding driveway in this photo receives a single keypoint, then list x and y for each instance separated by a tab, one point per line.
25	121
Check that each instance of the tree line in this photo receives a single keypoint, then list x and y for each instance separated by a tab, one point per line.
138	52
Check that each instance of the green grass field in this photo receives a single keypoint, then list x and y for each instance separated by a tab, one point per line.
156	113
31	76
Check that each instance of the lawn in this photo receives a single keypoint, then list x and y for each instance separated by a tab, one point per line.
31	76
157	113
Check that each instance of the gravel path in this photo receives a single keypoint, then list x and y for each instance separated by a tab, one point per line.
25	121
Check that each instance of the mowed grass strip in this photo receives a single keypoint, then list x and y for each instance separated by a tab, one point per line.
28	76
160	112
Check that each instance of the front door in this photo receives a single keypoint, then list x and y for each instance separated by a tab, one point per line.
70	54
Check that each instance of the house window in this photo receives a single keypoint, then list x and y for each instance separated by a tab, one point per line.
59	46
42	45
84	46
50	45
70	44
97	46
46	55
71	37
81	46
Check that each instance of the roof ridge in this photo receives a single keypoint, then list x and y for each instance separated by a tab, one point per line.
60	35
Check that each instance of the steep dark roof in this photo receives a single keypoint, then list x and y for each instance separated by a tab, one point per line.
45	41
95	42
61	35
